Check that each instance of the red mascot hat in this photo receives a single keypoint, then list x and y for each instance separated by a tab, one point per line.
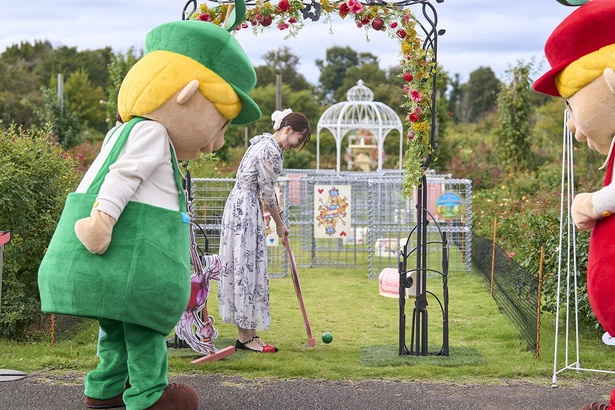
585	30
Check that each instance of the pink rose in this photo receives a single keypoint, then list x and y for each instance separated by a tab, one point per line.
355	6
416	96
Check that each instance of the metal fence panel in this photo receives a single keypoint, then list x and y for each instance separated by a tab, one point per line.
381	220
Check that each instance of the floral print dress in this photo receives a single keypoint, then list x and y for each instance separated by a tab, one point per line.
243	288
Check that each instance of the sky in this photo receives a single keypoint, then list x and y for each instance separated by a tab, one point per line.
479	33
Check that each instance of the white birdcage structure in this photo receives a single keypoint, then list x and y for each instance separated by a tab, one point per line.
359	112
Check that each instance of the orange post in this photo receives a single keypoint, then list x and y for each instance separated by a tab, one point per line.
495	225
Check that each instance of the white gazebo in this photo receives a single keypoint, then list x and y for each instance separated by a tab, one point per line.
359	112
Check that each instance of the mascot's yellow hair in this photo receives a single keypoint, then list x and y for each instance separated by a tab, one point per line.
154	79
584	70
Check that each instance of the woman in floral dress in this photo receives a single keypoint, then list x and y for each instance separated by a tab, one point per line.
243	288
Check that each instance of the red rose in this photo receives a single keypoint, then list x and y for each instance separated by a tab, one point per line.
394	24
401	34
413	117
205	17
408	77
344	9
283	5
365	19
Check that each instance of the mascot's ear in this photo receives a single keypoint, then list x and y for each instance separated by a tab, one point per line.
572	3
187	92
609	76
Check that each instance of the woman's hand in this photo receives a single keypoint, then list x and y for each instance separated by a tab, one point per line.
281	230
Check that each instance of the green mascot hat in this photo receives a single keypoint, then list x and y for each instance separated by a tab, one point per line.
216	49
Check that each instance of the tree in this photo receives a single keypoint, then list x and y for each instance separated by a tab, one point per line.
514	116
84	99
67	60
480	95
333	70
454	98
443	117
65	126
368	71
284	63
118	68
19	79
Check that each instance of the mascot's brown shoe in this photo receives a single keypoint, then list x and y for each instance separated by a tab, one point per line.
177	396
104	404
596	406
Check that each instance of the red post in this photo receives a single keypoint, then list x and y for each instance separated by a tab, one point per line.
5	236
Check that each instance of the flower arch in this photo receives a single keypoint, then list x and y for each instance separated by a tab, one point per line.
418	51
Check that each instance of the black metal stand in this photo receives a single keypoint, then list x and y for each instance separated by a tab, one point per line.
419	343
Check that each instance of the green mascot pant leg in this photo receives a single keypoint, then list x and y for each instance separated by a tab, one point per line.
129	352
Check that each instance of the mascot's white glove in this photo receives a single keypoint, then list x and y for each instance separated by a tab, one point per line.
95	231
583	213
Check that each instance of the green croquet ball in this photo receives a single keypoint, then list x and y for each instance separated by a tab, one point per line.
327	337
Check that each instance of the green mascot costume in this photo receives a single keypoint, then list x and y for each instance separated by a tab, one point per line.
121	251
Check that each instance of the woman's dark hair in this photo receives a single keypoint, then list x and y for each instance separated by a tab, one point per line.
299	123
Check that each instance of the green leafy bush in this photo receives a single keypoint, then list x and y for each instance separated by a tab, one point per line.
525	223
35	177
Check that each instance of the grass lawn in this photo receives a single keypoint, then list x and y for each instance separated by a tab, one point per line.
485	347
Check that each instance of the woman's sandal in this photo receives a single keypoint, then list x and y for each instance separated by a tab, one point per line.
266	348
269	349
242	345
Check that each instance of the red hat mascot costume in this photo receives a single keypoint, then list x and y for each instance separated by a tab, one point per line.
121	251
581	53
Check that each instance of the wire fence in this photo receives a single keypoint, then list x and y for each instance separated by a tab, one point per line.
514	289
378	219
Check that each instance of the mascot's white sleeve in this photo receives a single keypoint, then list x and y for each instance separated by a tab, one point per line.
604	199
143	172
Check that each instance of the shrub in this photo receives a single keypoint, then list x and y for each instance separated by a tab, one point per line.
35	177
524	224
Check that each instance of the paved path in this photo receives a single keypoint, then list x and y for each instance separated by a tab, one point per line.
50	392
